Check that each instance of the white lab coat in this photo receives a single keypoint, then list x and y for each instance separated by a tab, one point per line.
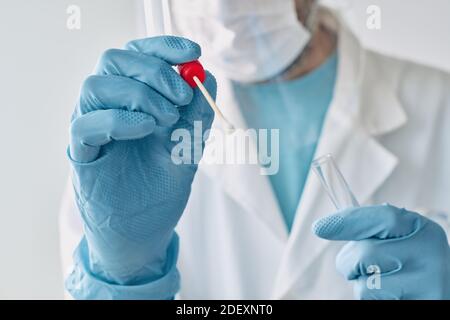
388	127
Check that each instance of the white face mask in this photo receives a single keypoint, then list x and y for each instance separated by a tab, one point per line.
249	40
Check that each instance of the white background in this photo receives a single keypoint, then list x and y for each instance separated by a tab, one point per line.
42	65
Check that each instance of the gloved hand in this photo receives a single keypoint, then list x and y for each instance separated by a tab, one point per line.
408	252
129	190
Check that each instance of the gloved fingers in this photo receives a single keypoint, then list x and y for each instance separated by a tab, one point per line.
199	109
172	49
379	222
116	92
378	287
95	129
150	70
363	258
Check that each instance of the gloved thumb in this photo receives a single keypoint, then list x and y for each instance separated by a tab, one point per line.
358	223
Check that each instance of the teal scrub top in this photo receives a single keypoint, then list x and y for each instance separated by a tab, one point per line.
297	108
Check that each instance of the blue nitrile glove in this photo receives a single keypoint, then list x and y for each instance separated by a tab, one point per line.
128	189
408	253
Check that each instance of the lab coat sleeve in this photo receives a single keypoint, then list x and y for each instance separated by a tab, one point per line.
425	94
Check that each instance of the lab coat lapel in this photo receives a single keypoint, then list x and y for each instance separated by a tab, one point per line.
244	183
363	161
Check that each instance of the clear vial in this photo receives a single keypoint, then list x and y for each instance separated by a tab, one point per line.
333	182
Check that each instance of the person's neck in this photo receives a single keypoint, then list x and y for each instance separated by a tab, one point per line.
321	46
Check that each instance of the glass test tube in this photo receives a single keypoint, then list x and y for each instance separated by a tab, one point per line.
333	182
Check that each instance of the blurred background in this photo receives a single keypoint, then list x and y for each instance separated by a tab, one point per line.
43	64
